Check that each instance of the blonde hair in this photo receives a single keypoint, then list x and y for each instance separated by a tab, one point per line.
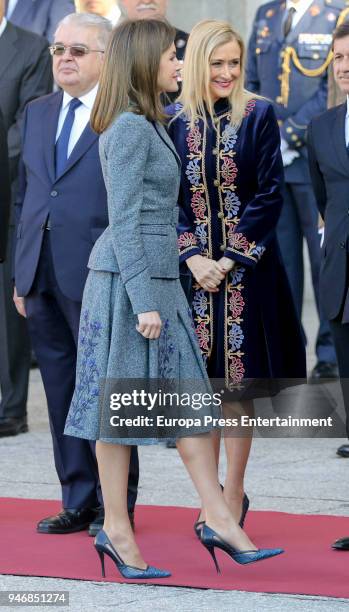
129	79
195	97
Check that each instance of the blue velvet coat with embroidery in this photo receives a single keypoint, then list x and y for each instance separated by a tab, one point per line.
230	201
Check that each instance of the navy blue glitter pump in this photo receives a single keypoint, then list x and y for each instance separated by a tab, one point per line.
104	546
211	540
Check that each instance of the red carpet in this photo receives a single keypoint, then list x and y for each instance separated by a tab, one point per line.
167	540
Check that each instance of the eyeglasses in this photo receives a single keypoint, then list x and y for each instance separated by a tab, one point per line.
75	50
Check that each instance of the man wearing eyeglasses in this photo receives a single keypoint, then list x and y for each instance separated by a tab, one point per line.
62	210
25	74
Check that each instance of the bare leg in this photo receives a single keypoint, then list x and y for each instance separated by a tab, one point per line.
237	450
199	458
216	441
113	465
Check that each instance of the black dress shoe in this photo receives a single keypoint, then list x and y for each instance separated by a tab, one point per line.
342	544
97	524
323	371
12	426
343	451
67	521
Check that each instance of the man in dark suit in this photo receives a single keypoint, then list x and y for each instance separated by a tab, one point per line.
25	74
328	146
39	16
62	210
5	190
287	63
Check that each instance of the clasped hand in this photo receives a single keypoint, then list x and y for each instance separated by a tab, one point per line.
209	273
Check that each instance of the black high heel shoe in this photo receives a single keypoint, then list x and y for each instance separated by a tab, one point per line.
104	546
211	540
245	506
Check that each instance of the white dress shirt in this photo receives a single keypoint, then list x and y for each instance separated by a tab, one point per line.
347	124
3	24
301	8
82	116
11	7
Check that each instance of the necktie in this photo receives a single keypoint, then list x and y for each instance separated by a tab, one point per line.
63	140
289	20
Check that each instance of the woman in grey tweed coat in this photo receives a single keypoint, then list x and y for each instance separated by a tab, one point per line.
135	319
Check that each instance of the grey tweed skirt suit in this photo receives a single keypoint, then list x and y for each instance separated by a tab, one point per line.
134	268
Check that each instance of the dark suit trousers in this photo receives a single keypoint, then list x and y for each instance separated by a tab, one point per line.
340	333
298	220
53	321
14	345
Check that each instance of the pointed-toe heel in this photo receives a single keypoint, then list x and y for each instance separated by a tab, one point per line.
211	540
104	546
245	507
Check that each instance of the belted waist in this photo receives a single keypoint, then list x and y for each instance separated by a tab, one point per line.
159	218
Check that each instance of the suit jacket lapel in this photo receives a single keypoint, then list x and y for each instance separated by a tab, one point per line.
22	10
50	129
86	140
338	137
8	49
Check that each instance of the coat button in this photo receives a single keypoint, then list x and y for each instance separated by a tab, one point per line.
216	182
222	247
54	194
215	151
221	215
342	245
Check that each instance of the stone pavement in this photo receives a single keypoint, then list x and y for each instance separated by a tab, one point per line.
289	475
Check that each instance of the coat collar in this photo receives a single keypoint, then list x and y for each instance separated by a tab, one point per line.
8	47
162	133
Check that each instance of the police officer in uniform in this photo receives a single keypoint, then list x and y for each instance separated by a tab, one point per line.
289	55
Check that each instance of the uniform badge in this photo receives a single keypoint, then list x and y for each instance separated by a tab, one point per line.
265	32
315	10
332	17
270	13
180	43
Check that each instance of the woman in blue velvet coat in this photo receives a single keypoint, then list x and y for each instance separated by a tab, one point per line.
229	144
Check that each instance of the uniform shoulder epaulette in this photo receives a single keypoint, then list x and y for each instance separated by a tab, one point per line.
337	4
269	7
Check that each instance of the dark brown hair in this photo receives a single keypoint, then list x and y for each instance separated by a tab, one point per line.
129	79
341	32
